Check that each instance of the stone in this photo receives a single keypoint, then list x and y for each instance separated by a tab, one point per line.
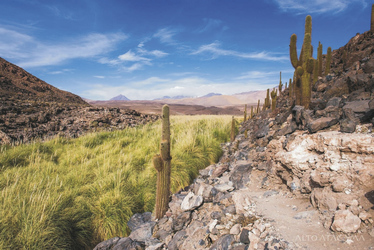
223	242
139	219
358	106
128	244
177	240
304	215
240	174
244	238
191	202
216	215
242	200
224	187
262	132
235	229
108	244
181	221
347	126
321	123
220	169
335	102
364	216
143	232
346	222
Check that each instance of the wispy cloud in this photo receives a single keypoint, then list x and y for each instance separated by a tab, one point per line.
317	6
138	59
210	24
58	72
30	52
99	77
166	35
255	75
215	51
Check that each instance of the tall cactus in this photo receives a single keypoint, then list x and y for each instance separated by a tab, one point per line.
319	58
328	61
315	71
267	99
232	135
252	112
162	164
280	82
273	99
245	112
303	65
258	107
290	89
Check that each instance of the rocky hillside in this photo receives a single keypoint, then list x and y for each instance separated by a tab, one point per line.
294	178
32	109
17	85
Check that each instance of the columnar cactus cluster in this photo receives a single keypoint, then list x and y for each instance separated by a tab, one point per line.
162	164
303	65
273	99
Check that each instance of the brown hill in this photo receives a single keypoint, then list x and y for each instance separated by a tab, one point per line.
221	100
17	85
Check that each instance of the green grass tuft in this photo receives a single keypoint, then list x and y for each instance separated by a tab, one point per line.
74	193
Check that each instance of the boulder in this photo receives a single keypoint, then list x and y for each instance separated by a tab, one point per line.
191	202
138	220
322	123
143	232
223	242
345	221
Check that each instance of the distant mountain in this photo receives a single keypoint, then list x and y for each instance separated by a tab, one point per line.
211	94
17	85
178	97
120	98
221	100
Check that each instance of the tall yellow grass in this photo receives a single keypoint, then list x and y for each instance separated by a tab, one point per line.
74	193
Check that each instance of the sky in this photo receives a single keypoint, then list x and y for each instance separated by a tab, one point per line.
147	49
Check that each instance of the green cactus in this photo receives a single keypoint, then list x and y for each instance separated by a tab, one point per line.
267	99
258	107
319	59
162	164
245	112
328	61
280	82
232	135
252	112
290	88
273	99
303	65
315	71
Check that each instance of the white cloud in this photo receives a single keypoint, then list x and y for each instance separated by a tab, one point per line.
166	35
100	77
256	75
317	6
30	52
132	57
215	51
156	87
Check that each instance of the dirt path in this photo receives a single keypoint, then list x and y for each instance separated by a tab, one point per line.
297	221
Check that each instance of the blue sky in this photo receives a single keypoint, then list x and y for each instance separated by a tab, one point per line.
146	49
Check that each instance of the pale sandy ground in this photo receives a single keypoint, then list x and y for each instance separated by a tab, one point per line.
306	230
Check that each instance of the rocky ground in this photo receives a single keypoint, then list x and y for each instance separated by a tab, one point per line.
36	120
294	178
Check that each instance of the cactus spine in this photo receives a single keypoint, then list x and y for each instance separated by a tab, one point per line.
280	82
303	65
328	61
162	164
273	99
